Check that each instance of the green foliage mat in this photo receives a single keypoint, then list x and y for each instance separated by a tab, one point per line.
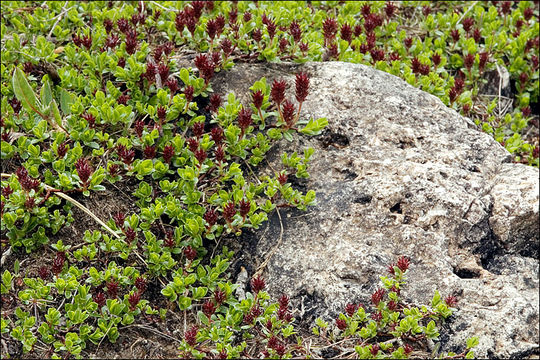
96	108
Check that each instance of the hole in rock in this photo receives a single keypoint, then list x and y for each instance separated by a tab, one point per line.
466	274
363	199
396	208
335	139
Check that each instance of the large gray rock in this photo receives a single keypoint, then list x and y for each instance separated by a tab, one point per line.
398	173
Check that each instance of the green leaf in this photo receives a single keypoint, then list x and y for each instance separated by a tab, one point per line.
184	302
184	76
6	279
314	127
23	91
203	318
56	113
46	92
65	102
472	342
436	299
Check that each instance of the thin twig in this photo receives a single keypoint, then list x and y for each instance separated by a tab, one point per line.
77	204
466	12
274	249
5	256
60	16
153	330
500	89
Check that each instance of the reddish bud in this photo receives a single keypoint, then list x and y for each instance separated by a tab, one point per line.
526	111
190	253
215	103
44	272
83	170
346	32
140	284
289	113
377	55
408	42
119	219
126	155
365	10
350	309
217	134
377	296
169	240
211	29
58	264
506	7
295	31
245	206
283	302
226	47
123	99
208	308
389	9
330	27
190	336
257	284
341	324
468	61
377	316
130	235
436	58
477	35
278	91
283	44
133	300
256	35
451	301
229	210
455	35
244	119
523	78
468	24
168	153
258	98
198	129
302	86
408	349
172	84
121	62
403	263
271	28
91	119
282	178
108	24
100	299
220	296
193	144
255	311
220	154
200	155
528	13
149	151
112	288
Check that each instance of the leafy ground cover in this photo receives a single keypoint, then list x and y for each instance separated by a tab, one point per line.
124	173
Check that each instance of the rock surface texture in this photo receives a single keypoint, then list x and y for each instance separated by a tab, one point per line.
398	173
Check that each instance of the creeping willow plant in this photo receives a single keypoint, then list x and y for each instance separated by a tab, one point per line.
98	96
